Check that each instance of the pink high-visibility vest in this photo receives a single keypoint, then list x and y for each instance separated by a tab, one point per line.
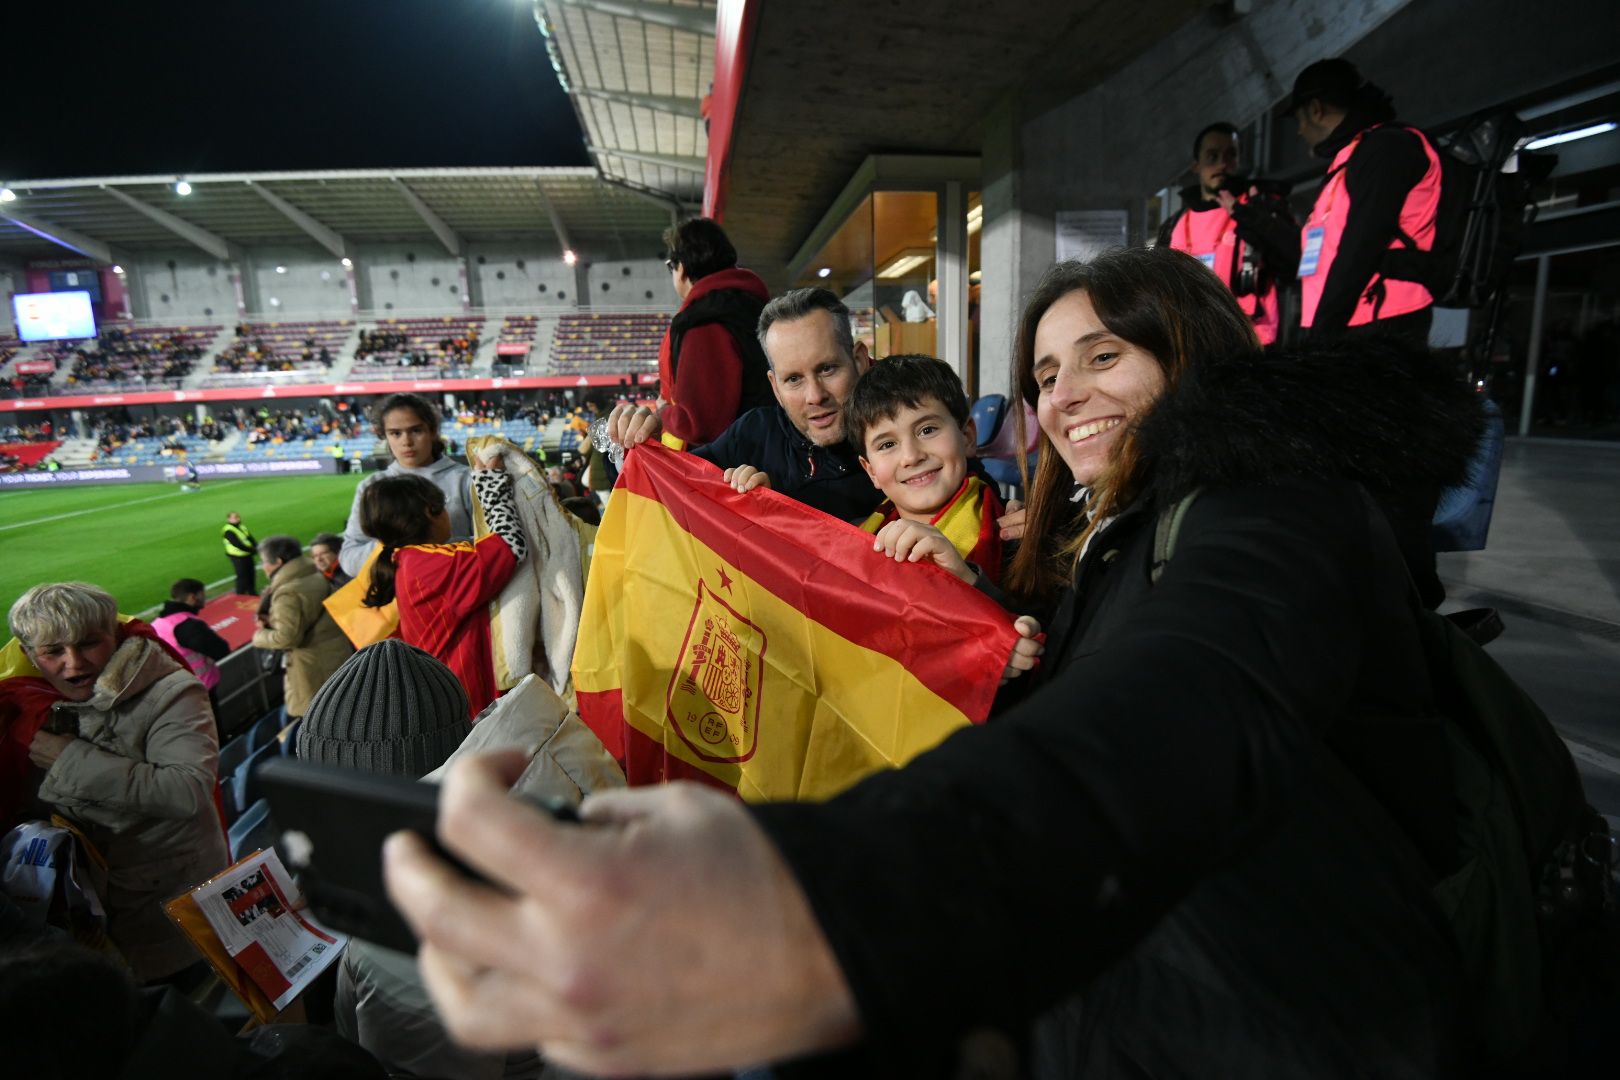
1211	237
1319	240
202	667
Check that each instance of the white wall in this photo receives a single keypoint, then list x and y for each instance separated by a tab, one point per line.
314	285
625	289
197	288
502	283
182	286
410	277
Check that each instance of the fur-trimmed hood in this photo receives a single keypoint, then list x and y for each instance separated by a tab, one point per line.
1377	411
135	665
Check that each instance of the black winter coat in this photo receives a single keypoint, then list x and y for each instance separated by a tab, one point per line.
829	478
1161	838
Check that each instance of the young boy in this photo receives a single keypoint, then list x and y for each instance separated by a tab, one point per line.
908	417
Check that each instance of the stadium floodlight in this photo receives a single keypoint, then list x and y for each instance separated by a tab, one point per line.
182	188
569	257
348	263
281	269
7	195
1569	136
825	271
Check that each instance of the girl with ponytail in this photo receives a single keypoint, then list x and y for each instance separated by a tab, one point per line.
443	589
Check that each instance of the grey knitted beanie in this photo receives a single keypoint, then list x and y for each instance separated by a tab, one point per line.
390	708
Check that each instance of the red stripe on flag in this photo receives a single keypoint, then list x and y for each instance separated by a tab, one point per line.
644	760
863	596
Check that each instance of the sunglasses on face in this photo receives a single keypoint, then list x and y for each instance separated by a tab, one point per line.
670	262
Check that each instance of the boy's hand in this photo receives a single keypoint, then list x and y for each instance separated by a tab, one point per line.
1026	651
912	541
632	425
1011	523
746	478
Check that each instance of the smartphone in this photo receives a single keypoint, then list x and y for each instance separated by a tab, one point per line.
332	823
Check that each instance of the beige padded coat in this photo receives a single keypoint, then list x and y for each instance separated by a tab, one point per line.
299	626
139	778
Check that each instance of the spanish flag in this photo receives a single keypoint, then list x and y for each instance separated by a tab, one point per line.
759	645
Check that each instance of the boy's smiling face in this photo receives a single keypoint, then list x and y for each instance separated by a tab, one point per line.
918	458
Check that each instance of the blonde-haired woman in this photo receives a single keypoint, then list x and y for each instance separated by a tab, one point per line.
125	748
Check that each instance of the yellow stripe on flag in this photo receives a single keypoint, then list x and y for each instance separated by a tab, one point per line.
818	711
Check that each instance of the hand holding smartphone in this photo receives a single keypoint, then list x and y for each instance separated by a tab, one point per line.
332	823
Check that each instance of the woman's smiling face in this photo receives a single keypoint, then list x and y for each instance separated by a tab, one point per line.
1092	384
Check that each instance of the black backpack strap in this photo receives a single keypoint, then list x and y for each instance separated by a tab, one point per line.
1168	530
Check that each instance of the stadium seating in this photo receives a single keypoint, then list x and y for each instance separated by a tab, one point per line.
603	344
126	357
273	349
422	352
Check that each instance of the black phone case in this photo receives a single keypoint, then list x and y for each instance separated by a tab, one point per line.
342	817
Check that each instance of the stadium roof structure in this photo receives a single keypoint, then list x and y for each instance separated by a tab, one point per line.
110	218
637	72
830	83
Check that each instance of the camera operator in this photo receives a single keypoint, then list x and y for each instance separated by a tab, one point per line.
1240	228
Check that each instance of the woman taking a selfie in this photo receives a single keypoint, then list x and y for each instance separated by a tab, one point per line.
1161	827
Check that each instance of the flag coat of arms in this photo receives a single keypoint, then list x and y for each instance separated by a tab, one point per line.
751	642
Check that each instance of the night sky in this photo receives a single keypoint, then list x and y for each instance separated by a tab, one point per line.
181	86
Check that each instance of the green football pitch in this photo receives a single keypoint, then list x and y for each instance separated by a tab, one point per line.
134	540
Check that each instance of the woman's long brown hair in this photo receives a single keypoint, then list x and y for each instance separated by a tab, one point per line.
395	511
1158	299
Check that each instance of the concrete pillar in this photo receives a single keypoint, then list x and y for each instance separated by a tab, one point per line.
246	285
582	285
1532	360
951	263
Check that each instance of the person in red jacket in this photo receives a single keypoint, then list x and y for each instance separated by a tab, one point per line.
444	589
711	366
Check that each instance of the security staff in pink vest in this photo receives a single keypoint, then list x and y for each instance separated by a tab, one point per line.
191	636
1245	236
1381	193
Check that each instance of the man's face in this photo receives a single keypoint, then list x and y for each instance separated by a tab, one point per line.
72	668
410	438
234	519
812	376
1217	159
324	557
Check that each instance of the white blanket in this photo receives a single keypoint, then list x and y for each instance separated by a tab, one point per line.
535	620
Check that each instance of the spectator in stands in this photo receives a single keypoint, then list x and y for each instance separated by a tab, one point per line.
298	625
239	547
444	589
125	748
179	625
1166	826
325	551
909	415
710	364
410	425
796	446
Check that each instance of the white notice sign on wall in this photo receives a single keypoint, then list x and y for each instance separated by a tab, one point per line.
1083	234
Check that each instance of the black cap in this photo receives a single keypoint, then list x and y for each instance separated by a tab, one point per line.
1335	79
